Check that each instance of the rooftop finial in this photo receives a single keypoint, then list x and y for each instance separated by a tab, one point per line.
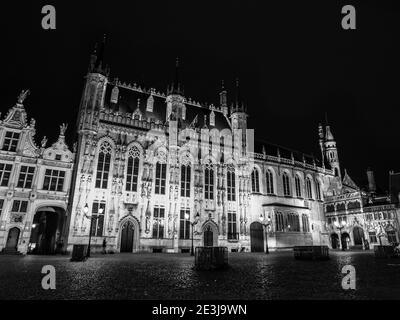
22	96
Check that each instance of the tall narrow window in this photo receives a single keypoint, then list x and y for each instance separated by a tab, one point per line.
255	182
1	206
5	172
279	222
11	141
184	226
161	173
306	224
209	183
185	181
269	182
286	184
231	184
158	222
232	234
97	220
26	177
309	188
318	190
298	186
132	169
53	180
103	165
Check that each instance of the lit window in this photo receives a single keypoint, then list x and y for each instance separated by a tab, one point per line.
11	141
184	226
158	222
53	180
98	218
161	173
132	169
26	177
5	172
103	165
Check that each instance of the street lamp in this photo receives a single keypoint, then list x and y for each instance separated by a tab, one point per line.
265	224
90	217
192	223
340	226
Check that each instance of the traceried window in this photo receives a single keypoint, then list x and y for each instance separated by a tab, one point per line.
391	236
209	183
5	172
161	173
372	237
132	169
158	222
269	182
97	219
103	165
309	188
318	190
255	182
293	222
184	226
286	184
26	177
232	226
185	181
297	182
11	141
231	185
305	222
19	206
53	180
279	222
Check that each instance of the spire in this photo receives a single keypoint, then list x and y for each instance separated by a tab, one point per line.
176	87
97	59
238	105
223	103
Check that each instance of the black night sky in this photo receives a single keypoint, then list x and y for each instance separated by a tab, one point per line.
294	61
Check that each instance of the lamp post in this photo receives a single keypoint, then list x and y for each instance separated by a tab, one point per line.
90	217
265	224
340	226
192	223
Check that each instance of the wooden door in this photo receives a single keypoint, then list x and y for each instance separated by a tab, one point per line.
127	235
12	239
256	237
208	237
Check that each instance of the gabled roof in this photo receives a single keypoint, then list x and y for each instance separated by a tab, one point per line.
349	183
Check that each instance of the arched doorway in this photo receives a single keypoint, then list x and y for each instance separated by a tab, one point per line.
208	237
12	239
257	237
46	234
345	240
358	236
127	236
335	241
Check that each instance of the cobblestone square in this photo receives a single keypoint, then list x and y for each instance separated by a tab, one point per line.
172	276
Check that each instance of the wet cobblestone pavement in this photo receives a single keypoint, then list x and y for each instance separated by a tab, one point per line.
171	276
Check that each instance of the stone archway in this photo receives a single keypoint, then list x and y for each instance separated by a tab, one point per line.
335	241
129	235
12	239
46	233
257	237
345	241
210	234
358	236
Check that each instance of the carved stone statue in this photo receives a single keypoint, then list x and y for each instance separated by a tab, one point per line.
44	142
22	96
63	128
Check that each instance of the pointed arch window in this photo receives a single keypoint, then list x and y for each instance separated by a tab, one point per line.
133	169
161	174
185	180
103	165
255	182
309	188
298	186
269	182
231	190
286	184
318	190
209	183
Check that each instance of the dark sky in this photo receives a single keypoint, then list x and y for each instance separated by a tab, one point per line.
294	61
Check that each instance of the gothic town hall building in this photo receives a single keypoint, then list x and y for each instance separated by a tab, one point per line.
151	170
